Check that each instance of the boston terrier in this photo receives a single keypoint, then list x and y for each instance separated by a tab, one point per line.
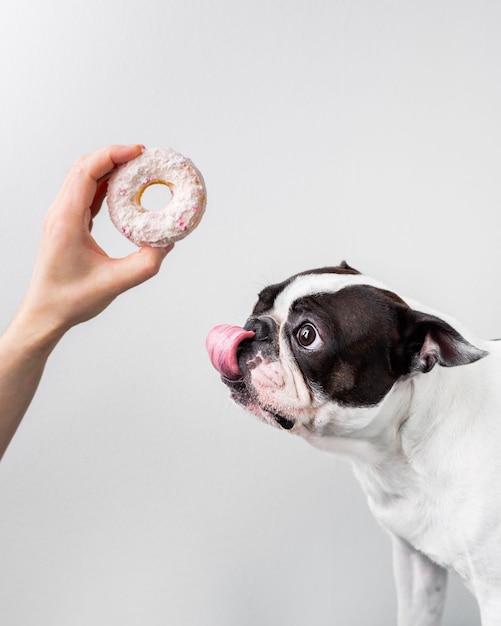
409	395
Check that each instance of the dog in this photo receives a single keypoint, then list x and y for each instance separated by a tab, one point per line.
412	397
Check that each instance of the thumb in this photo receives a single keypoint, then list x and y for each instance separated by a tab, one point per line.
138	267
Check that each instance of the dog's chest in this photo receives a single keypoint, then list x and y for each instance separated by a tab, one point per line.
419	518
401	502
444	514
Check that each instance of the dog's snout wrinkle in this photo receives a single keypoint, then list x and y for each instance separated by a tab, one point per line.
269	376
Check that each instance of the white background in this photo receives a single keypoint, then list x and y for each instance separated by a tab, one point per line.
134	492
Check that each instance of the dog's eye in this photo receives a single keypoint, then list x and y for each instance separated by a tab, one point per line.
308	337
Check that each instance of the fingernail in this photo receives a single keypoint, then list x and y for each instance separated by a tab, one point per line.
136	146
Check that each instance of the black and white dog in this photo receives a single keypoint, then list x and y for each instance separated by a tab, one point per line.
415	400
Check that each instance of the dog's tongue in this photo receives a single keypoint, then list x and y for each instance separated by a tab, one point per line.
222	343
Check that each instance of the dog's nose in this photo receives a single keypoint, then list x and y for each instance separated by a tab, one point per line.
263	327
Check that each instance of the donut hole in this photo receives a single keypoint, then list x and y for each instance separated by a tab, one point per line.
155	196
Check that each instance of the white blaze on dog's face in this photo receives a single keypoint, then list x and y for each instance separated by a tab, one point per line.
321	351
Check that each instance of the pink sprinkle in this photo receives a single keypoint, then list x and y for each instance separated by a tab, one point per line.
182	225
122	192
194	209
125	232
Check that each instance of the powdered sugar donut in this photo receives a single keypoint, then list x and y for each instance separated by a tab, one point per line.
181	215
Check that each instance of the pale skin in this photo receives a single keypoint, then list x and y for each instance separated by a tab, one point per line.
73	281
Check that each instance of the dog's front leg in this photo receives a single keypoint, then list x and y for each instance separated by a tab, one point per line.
421	586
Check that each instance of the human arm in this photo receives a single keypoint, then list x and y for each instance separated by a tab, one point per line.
73	280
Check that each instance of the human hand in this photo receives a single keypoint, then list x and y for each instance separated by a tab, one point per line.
74	279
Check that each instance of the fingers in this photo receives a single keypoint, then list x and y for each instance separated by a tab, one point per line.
81	184
138	267
99	196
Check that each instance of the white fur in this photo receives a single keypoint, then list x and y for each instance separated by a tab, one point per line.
310	284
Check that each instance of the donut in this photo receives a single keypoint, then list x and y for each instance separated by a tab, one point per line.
172	223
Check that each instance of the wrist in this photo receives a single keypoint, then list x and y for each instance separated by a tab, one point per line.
34	331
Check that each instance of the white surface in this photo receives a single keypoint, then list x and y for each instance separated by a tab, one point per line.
135	492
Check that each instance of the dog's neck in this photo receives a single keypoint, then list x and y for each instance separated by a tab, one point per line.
420	416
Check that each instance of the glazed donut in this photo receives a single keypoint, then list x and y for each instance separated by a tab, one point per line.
181	215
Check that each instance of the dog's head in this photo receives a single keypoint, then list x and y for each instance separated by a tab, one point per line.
322	350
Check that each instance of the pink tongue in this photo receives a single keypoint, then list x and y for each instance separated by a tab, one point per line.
222	343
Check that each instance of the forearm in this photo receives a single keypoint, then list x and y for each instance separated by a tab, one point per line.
24	349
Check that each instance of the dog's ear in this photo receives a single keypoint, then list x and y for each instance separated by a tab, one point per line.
429	340
344	266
